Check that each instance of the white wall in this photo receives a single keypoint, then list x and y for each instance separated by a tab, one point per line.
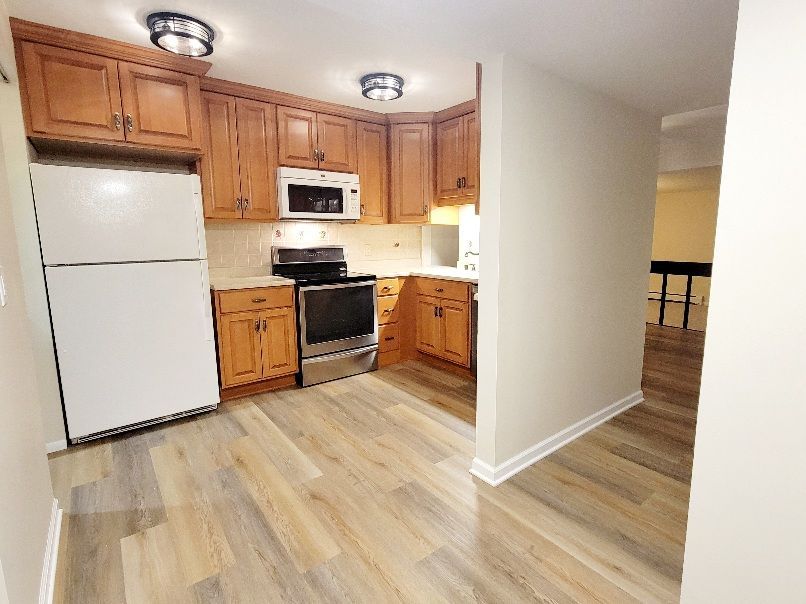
22	206
569	212
26	496
747	525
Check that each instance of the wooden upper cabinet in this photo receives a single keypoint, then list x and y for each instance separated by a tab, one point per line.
410	172
221	186
297	132
336	143
279	342
450	159
257	154
72	94
470	188
372	142
161	107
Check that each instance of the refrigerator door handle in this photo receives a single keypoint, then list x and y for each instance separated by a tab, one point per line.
207	306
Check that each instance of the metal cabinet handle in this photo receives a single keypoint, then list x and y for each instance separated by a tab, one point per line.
389	338
363	209
316	154
464	182
264	324
238	203
245	203
387	311
116	118
385	288
436	311
439	289
425	209
129	122
321	155
440	311
257	325
258	300
458	183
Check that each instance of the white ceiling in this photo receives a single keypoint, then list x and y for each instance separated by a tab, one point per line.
664	56
692	139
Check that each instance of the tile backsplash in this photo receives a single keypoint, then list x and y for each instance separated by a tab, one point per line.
241	245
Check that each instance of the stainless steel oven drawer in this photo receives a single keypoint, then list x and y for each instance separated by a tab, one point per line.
338	365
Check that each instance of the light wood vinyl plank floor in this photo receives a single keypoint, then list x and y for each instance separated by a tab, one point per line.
358	491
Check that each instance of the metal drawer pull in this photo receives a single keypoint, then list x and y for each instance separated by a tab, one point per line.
440	311
389	338
257	325
129	122
386	311
264	324
321	155
385	288
116	117
438	289
258	300
436	311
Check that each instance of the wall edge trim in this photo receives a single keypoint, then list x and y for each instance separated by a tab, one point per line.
495	475
48	581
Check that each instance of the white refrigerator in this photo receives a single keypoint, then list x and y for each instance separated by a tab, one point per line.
128	288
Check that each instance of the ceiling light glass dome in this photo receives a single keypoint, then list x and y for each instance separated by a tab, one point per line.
382	86
181	34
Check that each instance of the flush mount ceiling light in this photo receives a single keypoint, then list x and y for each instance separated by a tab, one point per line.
181	34
382	86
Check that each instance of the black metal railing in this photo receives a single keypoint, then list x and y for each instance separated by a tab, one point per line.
690	270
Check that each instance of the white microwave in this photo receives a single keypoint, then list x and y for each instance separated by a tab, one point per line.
317	195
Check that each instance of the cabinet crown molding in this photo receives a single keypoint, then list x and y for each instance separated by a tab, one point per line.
122	51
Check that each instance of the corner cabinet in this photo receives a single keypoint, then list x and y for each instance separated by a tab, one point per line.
410	173
457	161
372	144
239	164
316	140
257	338
76	96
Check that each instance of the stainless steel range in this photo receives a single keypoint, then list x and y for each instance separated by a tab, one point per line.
337	312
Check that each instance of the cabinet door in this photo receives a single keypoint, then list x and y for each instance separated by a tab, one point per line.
411	173
454	342
336	143
257	153
240	348
372	171
450	159
221	186
428	324
296	131
279	342
470	188
72	93
165	106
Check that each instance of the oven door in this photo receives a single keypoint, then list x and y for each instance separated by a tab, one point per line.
318	200
337	317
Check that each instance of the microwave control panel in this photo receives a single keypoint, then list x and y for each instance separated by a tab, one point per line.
355	202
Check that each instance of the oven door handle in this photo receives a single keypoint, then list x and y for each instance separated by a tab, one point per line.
308	288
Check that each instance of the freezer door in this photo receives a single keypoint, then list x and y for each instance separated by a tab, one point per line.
91	215
134	342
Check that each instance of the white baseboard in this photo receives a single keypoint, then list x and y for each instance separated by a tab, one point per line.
56	445
498	474
48	580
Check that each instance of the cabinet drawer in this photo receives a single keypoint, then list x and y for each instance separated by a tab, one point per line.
251	299
387	310
389	337
388	287
440	288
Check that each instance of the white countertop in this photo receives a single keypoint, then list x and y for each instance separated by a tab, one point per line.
221	283
448	273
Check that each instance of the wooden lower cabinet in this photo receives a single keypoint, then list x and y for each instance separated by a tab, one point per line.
443	324
388	316
255	345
